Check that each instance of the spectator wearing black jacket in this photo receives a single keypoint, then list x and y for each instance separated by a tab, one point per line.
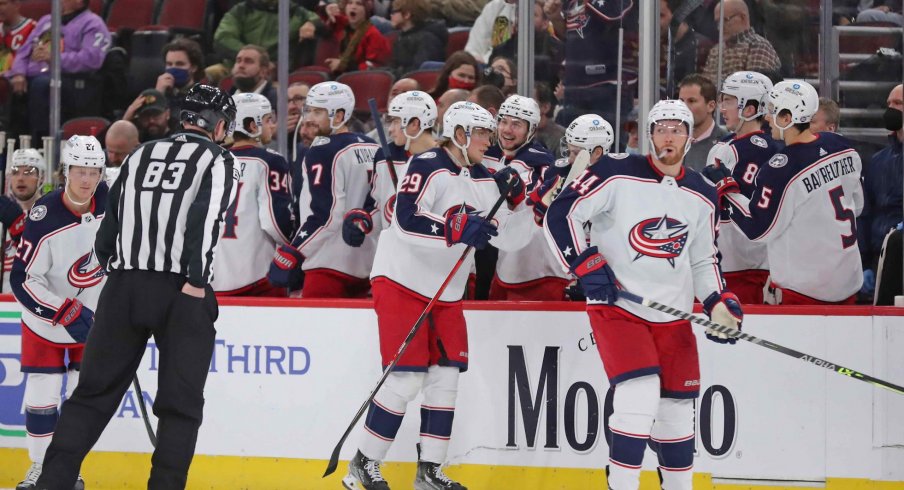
420	39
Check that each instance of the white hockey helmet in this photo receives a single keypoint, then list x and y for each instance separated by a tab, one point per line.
670	110
468	116
251	105
590	131
413	105
523	108
82	151
332	96
748	86
28	157
797	97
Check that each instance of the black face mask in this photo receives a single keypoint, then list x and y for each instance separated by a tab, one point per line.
245	84
893	118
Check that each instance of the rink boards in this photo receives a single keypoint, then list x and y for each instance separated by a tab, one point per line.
287	377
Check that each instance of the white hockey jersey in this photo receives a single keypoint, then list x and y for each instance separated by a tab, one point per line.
56	261
412	252
743	156
657	232
804	208
383	192
336	172
259	220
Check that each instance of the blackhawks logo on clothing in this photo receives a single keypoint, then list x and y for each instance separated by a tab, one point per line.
660	238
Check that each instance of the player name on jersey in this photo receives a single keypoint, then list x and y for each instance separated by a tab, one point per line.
831	170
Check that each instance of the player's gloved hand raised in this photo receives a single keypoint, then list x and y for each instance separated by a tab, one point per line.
469	228
285	270
508	179
721	176
12	216
725	309
537	199
356	225
595	276
76	318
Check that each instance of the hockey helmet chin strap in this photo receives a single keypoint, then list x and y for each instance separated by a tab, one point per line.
464	149
409	138
93	191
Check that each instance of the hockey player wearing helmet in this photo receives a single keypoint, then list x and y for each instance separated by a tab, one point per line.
654	229
439	208
24	179
336	181
804	205
57	280
733	165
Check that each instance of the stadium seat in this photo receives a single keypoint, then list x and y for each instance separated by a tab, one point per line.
458	38
326	48
183	14
425	78
86	126
130	14
35	9
5	90
367	84
226	84
146	63
309	77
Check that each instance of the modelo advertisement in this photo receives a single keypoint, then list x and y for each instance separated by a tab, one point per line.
285	382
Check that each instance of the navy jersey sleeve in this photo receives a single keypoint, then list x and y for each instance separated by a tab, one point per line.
318	185
415	215
34	260
763	214
276	209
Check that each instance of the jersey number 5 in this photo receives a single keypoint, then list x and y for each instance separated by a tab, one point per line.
843	214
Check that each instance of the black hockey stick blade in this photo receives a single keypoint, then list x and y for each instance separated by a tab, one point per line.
831	366
144	411
384	143
334	457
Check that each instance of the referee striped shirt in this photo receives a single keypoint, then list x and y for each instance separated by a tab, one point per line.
166	208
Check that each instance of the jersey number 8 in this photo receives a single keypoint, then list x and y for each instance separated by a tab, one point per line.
167	176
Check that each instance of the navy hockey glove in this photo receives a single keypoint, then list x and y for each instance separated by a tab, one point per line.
285	270
76	318
721	176
725	309
595	276
356	225
508	178
470	229
12	217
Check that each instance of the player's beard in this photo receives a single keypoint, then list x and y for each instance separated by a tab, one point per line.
674	156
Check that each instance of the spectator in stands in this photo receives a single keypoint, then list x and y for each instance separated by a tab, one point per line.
184	62
458	12
549	52
548	132
460	71
881	11
488	97
85	41
151	114
297	95
786	24
257	22
509	72
121	139
445	100
686	44
699	93
827	117
420	39
494	26
14	30
882	190
361	44
744	49
251	73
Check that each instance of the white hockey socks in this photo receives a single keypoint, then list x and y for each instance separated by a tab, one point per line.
386	412
437	412
673	441
42	401
634	406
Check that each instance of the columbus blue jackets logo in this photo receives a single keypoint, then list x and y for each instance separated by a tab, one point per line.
86	272
660	238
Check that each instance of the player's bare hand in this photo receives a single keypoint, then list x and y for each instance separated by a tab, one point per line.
193	291
306	31
19	83
165	81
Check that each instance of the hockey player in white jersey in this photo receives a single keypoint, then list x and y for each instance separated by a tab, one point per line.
531	273
438	213
411	117
336	172
804	205
653	231
260	218
734	164
24	179
57	280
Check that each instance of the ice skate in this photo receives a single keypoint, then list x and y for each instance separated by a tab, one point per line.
31	477
364	474
430	476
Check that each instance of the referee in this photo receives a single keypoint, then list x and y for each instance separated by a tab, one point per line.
157	240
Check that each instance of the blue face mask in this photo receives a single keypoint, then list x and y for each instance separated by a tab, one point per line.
180	75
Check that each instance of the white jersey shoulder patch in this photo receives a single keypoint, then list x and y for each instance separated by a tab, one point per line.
320	140
38	213
561	163
427	154
779	160
758	141
617	156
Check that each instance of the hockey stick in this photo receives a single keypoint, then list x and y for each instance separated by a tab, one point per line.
384	143
581	162
831	366
144	411
334	458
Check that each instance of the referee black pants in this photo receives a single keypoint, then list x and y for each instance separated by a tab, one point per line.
134	305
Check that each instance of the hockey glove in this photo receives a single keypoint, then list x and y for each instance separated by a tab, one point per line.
537	199
721	176
469	228
76	318
356	225
595	276
285	270
12	217
508	178
725	309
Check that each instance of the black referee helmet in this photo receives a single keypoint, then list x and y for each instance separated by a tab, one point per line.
205	106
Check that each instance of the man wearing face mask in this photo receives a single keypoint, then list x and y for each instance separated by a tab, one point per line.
882	191
251	73
184	68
